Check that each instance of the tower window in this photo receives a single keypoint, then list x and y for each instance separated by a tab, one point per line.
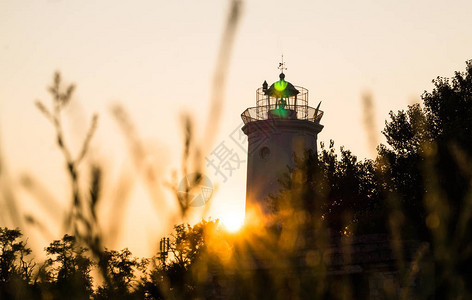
264	153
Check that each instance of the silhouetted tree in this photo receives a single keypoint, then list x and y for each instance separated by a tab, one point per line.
428	173
177	277
68	269
350	191
16	269
339	189
121	281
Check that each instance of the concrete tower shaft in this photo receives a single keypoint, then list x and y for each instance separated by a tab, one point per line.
281	127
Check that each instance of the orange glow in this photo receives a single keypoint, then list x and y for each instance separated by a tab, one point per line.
232	222
117	65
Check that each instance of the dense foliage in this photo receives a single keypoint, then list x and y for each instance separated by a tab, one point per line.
418	188
67	271
428	152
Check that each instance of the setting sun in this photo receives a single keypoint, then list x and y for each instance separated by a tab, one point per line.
232	222
235	149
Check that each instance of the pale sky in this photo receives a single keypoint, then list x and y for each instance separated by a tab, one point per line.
157	59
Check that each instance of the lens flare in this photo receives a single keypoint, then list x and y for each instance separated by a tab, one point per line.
280	85
232	222
280	112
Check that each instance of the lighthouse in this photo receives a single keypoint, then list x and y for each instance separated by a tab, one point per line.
279	128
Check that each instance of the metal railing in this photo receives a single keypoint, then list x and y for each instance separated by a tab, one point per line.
301	112
301	99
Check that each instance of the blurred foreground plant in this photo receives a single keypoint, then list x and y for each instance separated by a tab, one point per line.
82	218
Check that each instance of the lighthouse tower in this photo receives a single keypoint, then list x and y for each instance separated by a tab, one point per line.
281	127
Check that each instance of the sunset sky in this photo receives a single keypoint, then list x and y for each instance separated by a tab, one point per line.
157	59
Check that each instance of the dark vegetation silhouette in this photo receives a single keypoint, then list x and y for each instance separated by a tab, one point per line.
16	268
73	260
67	271
418	188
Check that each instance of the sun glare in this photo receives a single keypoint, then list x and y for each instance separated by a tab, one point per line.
232	222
